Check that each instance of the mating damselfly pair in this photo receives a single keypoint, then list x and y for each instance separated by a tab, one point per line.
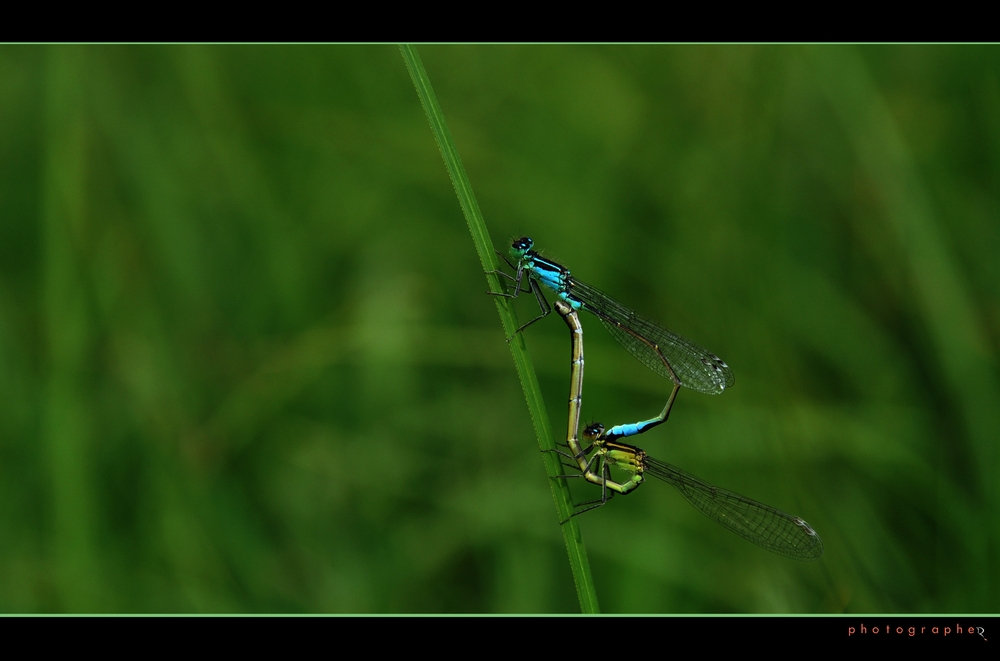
673	357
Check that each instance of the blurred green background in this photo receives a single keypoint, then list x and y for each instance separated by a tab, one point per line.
248	363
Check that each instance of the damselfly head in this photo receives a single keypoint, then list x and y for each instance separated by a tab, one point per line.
593	431
519	247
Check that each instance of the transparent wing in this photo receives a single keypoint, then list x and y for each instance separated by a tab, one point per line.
761	524
656	347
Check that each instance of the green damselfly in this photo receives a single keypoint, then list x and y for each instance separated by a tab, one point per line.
765	526
661	350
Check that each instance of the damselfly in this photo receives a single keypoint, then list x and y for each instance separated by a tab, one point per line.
756	522
765	526
661	350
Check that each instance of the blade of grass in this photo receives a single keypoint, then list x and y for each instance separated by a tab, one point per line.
66	429
525	370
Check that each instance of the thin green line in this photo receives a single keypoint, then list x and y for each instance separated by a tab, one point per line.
525	370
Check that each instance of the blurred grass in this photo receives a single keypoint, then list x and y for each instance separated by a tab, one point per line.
248	364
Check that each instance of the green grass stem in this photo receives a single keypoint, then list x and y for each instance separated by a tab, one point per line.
525	370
